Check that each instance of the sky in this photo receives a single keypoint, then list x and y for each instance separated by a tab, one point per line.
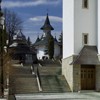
33	14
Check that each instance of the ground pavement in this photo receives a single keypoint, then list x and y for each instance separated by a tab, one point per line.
60	96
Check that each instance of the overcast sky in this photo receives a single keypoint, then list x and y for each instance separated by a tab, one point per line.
33	14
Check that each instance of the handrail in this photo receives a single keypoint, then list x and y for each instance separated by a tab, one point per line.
38	80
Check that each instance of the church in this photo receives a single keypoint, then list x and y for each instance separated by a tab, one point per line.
41	44
81	44
21	49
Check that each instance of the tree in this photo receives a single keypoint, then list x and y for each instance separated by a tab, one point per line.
61	43
28	41
12	21
4	36
51	46
60	38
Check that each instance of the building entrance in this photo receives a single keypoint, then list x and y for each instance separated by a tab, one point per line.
87	77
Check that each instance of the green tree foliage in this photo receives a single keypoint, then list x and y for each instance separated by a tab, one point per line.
61	43
29	41
61	38
51	46
3	37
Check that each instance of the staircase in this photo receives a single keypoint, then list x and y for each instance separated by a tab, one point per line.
50	76
50	70
50	63
54	84
26	85
22	81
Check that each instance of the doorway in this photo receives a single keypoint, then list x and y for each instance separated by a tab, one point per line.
87	77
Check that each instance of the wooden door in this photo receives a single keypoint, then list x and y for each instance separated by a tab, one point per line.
87	77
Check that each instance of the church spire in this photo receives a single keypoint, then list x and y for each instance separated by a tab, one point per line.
47	24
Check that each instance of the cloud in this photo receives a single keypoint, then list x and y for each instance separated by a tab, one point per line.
11	4
42	18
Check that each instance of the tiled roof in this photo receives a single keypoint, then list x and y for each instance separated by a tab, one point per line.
88	55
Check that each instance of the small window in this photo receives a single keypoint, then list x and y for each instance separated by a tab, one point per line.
85	38
85	4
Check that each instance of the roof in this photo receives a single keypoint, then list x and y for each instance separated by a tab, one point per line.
22	48
44	41
47	24
37	40
88	56
19	35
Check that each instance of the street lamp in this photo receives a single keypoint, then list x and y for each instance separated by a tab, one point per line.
2	48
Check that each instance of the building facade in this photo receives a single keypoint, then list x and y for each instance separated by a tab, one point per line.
81	44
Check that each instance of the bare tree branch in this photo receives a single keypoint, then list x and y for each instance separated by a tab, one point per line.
13	21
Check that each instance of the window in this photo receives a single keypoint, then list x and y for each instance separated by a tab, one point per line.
85	4
85	38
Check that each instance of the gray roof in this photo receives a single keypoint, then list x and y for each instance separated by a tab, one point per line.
37	40
44	41
47	24
88	56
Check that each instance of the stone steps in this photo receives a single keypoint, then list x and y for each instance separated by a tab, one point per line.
11	97
50	71
23	82
54	84
46	63
25	75
25	85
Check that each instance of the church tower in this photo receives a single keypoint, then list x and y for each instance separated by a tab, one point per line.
47	27
41	44
81	44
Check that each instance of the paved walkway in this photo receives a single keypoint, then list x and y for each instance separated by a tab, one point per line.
60	96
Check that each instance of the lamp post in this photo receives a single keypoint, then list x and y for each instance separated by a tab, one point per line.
2	48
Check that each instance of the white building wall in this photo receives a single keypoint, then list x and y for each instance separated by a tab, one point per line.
76	21
98	27
85	22
40	51
68	28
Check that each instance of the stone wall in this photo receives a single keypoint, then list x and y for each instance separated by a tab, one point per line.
71	73
67	71
76	78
